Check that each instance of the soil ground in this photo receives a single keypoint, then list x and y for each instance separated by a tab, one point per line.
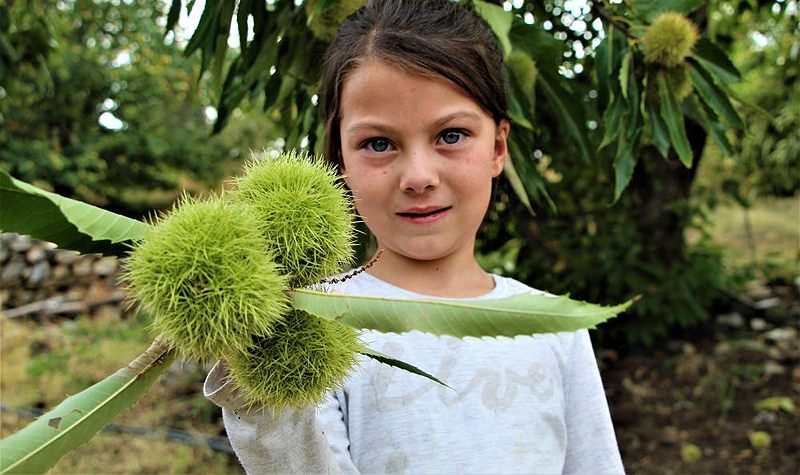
724	400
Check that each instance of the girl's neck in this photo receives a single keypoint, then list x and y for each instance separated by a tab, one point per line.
450	277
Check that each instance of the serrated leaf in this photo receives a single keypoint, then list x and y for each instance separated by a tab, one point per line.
39	446
388	360
498	20
658	129
624	164
633	118
713	96
715	129
612	118
68	223
715	61
673	117
523	314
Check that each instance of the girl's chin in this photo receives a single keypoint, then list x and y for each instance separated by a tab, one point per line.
423	252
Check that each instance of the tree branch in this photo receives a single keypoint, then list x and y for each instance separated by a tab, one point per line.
603	13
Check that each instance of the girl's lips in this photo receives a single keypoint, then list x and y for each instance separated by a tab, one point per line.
424	215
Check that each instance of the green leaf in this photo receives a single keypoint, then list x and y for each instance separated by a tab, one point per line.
221	43
204	33
173	15
37	447
568	110
707	118
516	184
243	11
658	129
612	119
624	71
68	223
624	164
523	314
633	118
388	360
517	114
498	20
714	96
650	9
673	117
715	61
775	404
540	45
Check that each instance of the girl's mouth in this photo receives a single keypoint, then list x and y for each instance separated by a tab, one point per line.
425	215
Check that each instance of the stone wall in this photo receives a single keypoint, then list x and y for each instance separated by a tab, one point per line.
36	279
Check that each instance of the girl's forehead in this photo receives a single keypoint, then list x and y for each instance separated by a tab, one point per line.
377	86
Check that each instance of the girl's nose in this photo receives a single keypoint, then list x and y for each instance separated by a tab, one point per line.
419	172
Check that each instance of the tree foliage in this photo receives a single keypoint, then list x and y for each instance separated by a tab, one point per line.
764	40
606	139
97	104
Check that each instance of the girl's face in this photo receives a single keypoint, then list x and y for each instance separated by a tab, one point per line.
419	155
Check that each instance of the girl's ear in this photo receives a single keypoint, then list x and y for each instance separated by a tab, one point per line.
500	147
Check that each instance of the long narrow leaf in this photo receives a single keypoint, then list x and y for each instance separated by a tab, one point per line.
523	314
612	117
173	15
569	112
388	360
658	129
713	96
673	117
498	20
624	164
516	184
37	447
715	61
68	223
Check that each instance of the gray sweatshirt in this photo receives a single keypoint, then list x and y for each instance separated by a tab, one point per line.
530	404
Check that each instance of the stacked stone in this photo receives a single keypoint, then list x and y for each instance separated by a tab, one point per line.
37	279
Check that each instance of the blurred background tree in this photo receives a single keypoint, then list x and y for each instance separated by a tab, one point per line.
607	143
96	103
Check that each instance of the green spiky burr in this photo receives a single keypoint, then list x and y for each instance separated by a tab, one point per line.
298	363
303	212
669	40
206	276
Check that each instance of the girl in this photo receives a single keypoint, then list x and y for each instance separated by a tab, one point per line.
414	100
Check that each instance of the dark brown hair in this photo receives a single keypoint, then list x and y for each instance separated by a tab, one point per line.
430	37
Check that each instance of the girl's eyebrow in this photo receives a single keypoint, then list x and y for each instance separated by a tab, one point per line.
371	125
469	115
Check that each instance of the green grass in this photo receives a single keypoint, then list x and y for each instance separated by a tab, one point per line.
773	248
42	363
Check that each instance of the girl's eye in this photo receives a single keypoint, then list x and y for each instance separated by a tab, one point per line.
378	144
452	137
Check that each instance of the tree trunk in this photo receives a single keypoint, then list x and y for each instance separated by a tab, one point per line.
661	190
